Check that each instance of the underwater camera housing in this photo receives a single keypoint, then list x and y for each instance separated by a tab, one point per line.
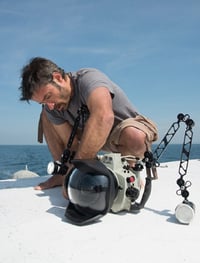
96	187
128	181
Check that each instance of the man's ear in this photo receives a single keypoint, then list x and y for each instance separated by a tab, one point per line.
57	77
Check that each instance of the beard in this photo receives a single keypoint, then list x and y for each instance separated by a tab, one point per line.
61	106
63	98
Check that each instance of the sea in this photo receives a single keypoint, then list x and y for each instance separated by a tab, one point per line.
36	157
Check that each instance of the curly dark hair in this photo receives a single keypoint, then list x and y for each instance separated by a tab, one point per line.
38	72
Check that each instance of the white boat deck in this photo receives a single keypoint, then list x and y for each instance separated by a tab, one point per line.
33	226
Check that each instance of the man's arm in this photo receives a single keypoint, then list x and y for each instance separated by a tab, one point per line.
98	125
63	131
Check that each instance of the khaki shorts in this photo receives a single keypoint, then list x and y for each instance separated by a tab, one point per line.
139	122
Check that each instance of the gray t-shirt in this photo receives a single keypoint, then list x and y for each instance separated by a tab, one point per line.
85	81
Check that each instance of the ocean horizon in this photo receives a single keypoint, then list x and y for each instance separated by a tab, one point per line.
36	157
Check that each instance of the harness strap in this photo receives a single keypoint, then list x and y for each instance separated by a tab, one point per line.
40	127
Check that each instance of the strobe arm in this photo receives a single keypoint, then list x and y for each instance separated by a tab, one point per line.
60	167
184	160
168	136
185	153
185	211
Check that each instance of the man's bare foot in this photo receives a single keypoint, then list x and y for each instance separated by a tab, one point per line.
55	180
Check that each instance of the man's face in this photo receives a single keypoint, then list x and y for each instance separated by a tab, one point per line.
55	95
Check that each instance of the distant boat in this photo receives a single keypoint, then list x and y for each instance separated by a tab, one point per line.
24	174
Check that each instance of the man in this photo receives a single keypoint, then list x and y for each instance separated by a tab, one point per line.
112	123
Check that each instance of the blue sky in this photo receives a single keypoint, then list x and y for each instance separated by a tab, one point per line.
151	48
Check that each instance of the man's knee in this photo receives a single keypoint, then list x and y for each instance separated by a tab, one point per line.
132	141
132	135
